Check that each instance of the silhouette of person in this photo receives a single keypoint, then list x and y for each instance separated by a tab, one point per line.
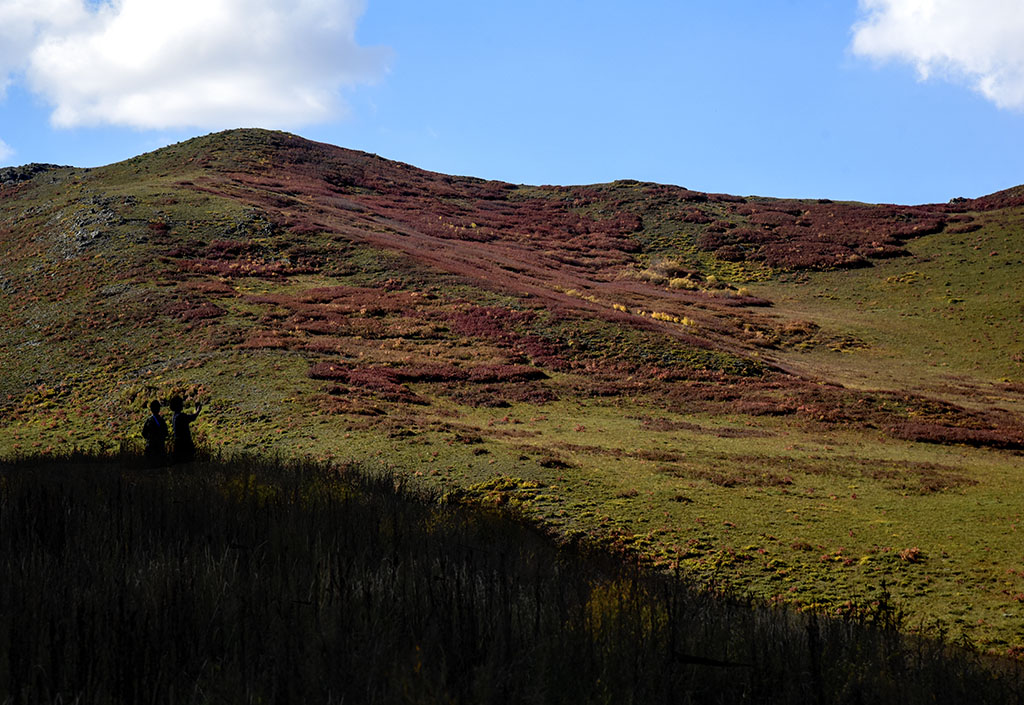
184	448
155	433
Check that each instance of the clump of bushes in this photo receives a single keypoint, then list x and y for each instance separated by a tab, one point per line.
683	283
665	270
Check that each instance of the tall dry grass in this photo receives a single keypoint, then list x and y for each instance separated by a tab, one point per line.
263	581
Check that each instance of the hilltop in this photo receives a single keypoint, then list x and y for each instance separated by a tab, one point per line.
796	397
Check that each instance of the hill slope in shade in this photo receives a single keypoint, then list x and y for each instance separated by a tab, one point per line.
804	398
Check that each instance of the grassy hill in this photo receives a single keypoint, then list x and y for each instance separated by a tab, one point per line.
803	399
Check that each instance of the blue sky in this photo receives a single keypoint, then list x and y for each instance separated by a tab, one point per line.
905	101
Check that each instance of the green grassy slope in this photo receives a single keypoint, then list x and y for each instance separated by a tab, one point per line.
720	384
947	321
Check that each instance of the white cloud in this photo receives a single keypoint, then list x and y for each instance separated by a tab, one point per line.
5	152
194	63
979	42
21	24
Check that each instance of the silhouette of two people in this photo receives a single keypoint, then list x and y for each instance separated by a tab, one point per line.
156	432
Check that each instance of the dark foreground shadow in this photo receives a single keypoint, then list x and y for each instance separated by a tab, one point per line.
254	580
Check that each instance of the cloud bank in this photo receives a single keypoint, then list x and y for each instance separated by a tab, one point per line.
188	63
977	42
22	22
5	152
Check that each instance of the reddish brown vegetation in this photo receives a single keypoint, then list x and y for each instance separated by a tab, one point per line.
207	287
331	184
822	235
245	268
498	325
492	322
963	228
230	249
501	395
1011	439
536	243
696	216
190	311
810	254
772	218
1010	198
379	380
481	385
778	395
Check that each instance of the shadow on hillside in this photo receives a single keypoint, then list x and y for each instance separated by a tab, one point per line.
260	580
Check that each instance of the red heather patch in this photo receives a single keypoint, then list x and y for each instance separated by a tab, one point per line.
491	216
189	311
325	345
823	235
964	228
927	226
505	373
356	300
491	322
772	218
431	373
425	373
229	249
496	324
949	435
182	251
541	352
329	370
882	251
811	255
697	217
330	324
382	381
